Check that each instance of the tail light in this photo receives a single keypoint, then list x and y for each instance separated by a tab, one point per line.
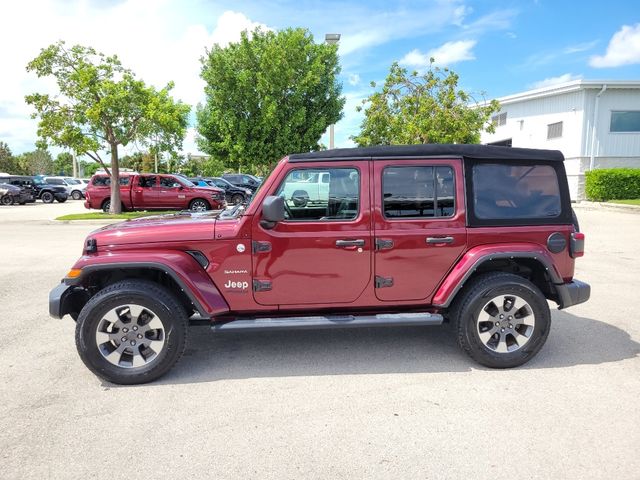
577	244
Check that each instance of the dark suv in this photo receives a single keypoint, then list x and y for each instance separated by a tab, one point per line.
29	192
243	180
48	192
476	236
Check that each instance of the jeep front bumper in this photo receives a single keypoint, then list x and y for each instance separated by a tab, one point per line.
66	299
572	293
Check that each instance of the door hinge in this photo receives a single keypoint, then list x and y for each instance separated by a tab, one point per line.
261	285
383	244
260	247
382	282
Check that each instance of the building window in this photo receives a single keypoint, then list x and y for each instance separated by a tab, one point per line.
500	119
554	130
625	121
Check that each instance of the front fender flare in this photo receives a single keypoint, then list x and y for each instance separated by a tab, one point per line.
179	265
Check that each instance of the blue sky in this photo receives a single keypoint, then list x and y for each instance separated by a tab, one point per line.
497	47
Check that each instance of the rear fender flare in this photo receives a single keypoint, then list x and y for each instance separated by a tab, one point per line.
475	257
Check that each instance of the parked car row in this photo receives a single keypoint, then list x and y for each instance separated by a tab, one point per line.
39	187
153	191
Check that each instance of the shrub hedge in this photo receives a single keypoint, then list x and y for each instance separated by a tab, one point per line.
612	184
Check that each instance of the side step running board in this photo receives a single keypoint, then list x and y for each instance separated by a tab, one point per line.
330	321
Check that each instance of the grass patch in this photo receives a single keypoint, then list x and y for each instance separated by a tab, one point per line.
635	201
108	216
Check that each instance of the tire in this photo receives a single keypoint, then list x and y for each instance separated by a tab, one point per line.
106	205
61	200
76	195
199	205
47	197
237	199
6	200
485	329
160	322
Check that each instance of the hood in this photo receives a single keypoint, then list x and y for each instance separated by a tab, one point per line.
177	227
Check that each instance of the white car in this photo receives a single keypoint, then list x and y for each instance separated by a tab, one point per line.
75	187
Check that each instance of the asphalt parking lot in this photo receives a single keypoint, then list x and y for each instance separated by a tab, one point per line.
374	403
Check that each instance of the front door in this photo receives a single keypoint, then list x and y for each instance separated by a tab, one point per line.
420	229
321	253
171	193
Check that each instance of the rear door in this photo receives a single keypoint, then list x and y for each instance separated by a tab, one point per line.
419	226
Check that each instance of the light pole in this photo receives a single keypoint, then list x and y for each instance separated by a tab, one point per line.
331	39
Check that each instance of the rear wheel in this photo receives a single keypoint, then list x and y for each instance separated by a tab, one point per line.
131	332
106	205
76	195
47	197
199	205
6	200
237	199
502	320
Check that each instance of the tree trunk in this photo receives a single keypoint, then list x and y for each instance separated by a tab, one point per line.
116	203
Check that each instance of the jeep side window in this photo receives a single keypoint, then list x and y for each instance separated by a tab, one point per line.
417	192
515	191
339	199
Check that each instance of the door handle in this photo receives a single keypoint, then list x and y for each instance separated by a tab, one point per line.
349	243
438	240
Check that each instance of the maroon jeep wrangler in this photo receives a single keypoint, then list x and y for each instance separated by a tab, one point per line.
477	236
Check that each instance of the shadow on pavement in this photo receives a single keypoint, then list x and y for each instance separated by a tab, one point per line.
209	357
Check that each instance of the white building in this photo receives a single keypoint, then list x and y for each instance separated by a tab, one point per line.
596	124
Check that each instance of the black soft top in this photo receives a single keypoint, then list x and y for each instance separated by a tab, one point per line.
478	152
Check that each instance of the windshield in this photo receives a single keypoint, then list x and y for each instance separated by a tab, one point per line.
185	180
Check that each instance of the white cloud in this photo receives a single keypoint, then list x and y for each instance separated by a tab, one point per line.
160	44
623	49
548	82
354	79
446	54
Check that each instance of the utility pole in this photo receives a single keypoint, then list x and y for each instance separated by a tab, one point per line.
74	163
331	39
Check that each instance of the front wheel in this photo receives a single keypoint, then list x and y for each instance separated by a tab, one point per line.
502	320
131	332
76	195
237	199
47	197
6	200
199	205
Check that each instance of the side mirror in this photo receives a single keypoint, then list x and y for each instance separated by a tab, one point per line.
272	211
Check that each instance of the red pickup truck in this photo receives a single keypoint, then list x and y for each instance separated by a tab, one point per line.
154	192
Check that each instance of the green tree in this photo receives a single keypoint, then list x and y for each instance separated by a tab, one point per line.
87	169
63	164
270	94
100	106
133	161
414	108
38	162
8	163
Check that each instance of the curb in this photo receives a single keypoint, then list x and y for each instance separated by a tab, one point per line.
620	207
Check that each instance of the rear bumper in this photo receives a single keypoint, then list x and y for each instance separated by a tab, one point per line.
572	293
